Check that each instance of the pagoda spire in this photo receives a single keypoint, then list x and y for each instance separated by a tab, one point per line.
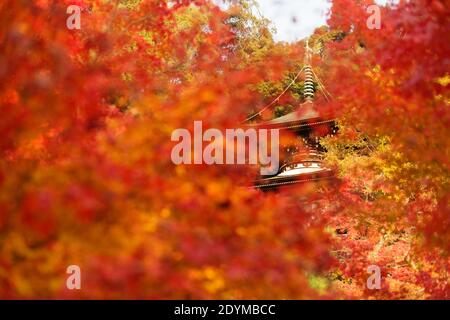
308	88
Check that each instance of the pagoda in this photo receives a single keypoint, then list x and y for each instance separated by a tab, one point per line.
301	161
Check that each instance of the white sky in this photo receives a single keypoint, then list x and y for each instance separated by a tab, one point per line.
297	19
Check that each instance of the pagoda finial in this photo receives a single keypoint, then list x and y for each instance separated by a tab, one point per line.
308	53
308	88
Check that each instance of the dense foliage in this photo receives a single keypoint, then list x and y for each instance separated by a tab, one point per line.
86	176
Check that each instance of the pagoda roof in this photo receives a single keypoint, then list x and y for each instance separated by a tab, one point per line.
305	116
304	113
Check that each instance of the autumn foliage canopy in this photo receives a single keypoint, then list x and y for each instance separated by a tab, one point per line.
86	176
